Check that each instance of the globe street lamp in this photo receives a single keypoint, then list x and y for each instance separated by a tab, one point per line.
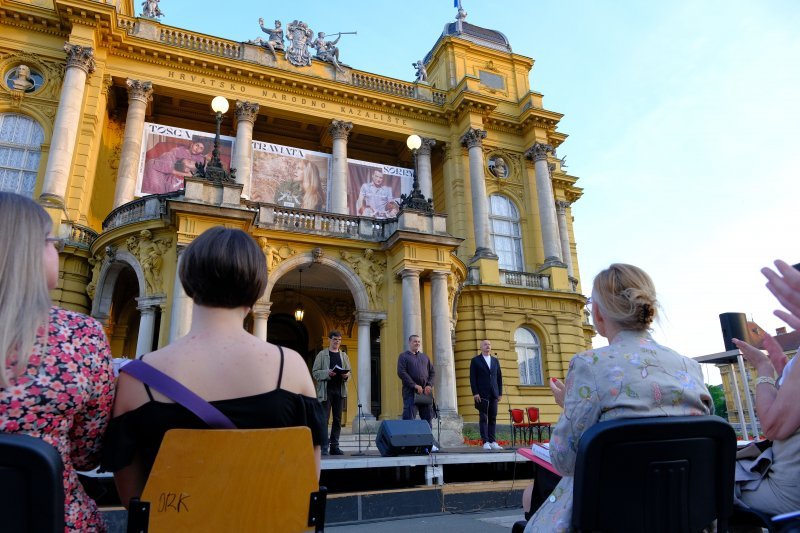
213	169
415	200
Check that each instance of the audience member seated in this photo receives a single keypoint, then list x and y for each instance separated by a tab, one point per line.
57	382
774	488
632	377
253	383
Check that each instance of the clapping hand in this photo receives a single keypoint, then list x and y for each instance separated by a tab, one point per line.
559	389
785	285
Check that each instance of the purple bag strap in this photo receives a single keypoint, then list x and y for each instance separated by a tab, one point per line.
178	394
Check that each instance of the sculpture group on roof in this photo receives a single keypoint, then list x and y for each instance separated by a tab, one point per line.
300	39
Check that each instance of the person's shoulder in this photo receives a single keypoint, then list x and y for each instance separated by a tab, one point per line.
74	320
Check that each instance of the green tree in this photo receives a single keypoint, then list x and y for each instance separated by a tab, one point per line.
718	395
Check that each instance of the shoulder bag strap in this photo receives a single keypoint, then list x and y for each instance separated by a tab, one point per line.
178	394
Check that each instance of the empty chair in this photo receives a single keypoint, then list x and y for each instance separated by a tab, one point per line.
668	474
533	420
518	425
31	485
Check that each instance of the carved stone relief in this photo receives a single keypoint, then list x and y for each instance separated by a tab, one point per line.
97	265
341	313
370	269
275	254
150	252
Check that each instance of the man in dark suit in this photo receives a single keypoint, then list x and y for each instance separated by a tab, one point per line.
486	381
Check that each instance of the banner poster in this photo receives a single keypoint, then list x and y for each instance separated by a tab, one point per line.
289	177
169	154
373	190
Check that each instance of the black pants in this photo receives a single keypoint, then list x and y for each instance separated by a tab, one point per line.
487	421
333	403
410	410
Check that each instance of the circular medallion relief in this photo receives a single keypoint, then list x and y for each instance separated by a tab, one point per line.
23	78
498	167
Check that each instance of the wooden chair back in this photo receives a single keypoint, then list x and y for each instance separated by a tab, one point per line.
232	480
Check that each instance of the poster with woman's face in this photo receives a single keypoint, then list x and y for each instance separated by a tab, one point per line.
171	154
289	177
373	190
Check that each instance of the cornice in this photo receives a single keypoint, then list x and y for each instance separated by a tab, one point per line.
32	18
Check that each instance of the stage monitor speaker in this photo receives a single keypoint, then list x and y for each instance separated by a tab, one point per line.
404	437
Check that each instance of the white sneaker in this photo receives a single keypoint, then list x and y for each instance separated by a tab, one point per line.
434	448
495	446
487	446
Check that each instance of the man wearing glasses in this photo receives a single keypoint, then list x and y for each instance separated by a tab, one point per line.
331	370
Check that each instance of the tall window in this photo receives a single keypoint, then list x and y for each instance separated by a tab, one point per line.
504	221
529	357
21	140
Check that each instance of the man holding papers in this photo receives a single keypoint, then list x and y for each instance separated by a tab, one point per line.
331	370
486	381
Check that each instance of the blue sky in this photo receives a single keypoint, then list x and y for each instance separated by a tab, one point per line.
682	117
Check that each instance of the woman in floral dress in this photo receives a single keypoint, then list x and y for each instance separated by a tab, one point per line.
57	383
632	377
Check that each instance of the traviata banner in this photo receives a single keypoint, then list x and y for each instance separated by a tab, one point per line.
373	190
289	177
169	154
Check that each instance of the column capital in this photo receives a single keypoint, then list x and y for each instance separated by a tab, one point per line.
148	304
561	206
409	273
539	151
247	111
262	309
81	57
141	91
440	274
473	137
366	318
339	129
426	147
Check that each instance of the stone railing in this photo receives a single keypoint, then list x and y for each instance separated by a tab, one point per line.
80	236
439	97
524	279
201	43
384	85
147	208
277	217
126	23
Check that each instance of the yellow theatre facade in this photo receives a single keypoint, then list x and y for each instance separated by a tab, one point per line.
476	241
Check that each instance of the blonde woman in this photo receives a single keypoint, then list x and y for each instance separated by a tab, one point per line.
312	188
632	377
57	383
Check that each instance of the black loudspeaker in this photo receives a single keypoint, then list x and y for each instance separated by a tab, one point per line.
734	325
404	437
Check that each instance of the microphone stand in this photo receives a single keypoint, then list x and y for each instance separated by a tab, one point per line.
438	423
508	402
359	453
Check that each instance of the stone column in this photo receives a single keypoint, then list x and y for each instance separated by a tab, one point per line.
180	321
424	174
442	346
339	130
242	158
566	253
139	95
547	209
147	322
261	312
80	63
364	360
473	140
412	310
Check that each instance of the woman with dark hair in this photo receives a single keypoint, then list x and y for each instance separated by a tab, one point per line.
632	377
251	382
57	380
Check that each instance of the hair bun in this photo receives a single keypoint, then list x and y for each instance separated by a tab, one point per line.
646	313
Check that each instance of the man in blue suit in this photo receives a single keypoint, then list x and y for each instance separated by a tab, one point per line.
486	381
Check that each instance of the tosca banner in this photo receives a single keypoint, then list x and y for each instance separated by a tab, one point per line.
289	177
170	154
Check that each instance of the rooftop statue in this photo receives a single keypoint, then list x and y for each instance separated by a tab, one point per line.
299	36
151	10
327	50
422	72
275	41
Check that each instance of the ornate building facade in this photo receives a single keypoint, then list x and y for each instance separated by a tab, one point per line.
105	119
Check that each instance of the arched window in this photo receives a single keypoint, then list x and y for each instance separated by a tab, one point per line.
21	140
529	357
504	221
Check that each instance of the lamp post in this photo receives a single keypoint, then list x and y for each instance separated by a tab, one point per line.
299	312
213	170
415	200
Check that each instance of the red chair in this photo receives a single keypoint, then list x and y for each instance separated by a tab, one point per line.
534	422
518	424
